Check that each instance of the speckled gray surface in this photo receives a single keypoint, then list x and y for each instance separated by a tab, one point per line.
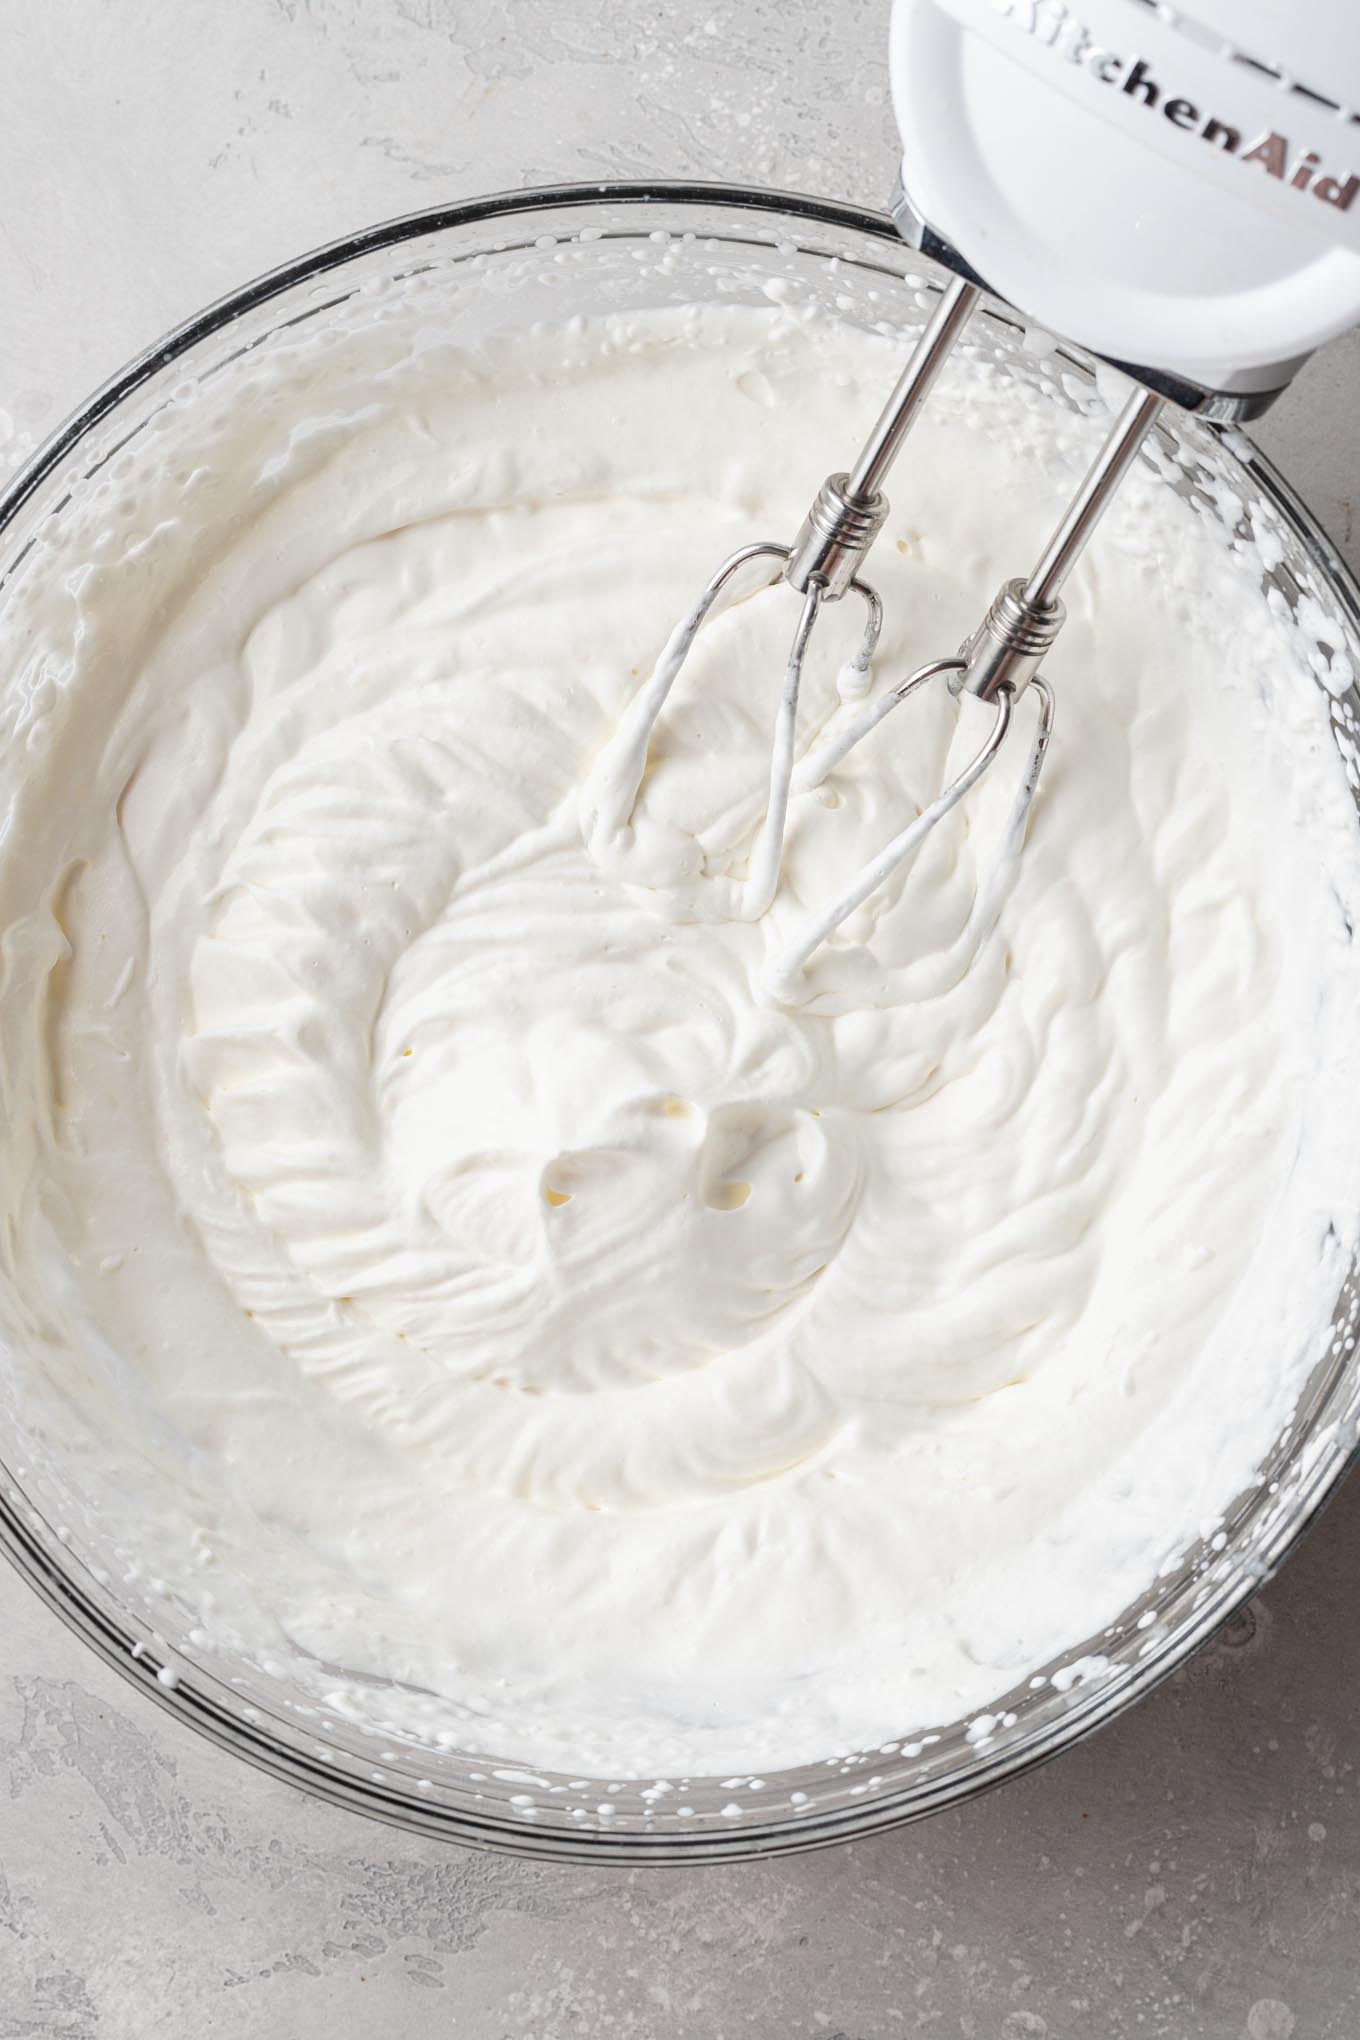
1195	1870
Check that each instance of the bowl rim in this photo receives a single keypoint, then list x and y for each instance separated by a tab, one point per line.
80	1607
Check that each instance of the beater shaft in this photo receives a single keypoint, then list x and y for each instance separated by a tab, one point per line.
914	385
1106	472
1009	645
849	509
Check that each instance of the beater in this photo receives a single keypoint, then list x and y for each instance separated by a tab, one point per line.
1203	254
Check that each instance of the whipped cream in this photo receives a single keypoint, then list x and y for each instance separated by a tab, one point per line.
475	1284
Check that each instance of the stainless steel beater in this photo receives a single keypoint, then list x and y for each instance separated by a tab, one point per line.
1000	659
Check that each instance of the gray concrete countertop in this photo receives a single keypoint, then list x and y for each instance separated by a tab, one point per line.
1193	1871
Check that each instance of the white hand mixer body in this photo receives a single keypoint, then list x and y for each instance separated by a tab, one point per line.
1178	195
1176	189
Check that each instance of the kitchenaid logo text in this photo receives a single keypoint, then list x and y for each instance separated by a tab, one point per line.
1050	23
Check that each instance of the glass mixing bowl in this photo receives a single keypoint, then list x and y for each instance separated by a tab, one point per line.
497	265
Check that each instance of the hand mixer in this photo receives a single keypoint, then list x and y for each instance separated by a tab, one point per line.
1174	190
